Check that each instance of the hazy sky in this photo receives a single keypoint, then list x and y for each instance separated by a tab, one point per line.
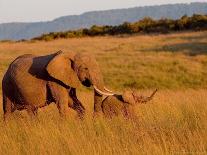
41	10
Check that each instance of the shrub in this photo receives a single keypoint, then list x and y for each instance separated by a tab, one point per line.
146	25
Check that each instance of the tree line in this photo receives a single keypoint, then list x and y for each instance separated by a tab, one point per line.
147	25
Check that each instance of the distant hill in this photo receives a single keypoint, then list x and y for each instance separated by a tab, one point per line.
17	31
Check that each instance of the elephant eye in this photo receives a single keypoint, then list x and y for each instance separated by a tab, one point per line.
85	68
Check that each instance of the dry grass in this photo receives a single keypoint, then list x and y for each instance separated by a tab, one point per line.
163	61
174	123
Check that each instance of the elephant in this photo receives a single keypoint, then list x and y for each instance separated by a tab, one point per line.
32	82
122	104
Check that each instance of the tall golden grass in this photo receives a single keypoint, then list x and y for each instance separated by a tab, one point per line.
173	123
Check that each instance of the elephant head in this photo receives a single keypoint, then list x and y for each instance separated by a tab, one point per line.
132	97
123	104
75	69
89	73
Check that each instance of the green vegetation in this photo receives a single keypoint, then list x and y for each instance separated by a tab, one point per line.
146	25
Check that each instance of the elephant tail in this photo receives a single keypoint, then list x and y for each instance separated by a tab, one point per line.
8	101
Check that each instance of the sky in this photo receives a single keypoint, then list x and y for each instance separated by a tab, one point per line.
44	10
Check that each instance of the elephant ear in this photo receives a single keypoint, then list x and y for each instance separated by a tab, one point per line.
128	97
60	68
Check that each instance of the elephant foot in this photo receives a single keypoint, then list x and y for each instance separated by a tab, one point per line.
32	112
97	115
6	117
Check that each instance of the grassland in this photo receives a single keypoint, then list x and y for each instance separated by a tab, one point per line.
174	122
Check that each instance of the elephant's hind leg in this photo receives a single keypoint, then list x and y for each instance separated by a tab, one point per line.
8	107
32	111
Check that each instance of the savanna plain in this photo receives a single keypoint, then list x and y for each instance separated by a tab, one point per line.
173	123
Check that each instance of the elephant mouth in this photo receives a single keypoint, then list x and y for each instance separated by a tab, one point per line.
86	83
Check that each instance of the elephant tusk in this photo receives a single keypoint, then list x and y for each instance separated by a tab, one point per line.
108	90
101	92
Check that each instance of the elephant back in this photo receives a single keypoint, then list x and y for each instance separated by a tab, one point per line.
26	75
20	66
112	106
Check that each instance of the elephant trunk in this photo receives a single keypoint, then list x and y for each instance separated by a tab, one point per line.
98	83
147	99
99	91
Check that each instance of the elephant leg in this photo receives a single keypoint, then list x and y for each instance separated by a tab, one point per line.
7	107
60	97
77	105
32	111
97	103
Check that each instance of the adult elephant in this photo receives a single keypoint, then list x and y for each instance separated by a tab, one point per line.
32	82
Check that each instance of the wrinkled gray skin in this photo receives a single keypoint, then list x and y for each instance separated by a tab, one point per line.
123	104
32	82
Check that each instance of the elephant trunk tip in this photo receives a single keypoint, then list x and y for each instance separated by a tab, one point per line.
153	94
147	99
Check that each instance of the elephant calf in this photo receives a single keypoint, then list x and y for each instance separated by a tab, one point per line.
123	104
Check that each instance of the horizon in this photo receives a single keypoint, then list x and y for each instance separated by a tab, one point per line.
21	18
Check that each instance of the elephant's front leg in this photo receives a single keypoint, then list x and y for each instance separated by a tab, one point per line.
77	105
60	97
97	103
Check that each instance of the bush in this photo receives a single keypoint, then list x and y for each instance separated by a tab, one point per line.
146	25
